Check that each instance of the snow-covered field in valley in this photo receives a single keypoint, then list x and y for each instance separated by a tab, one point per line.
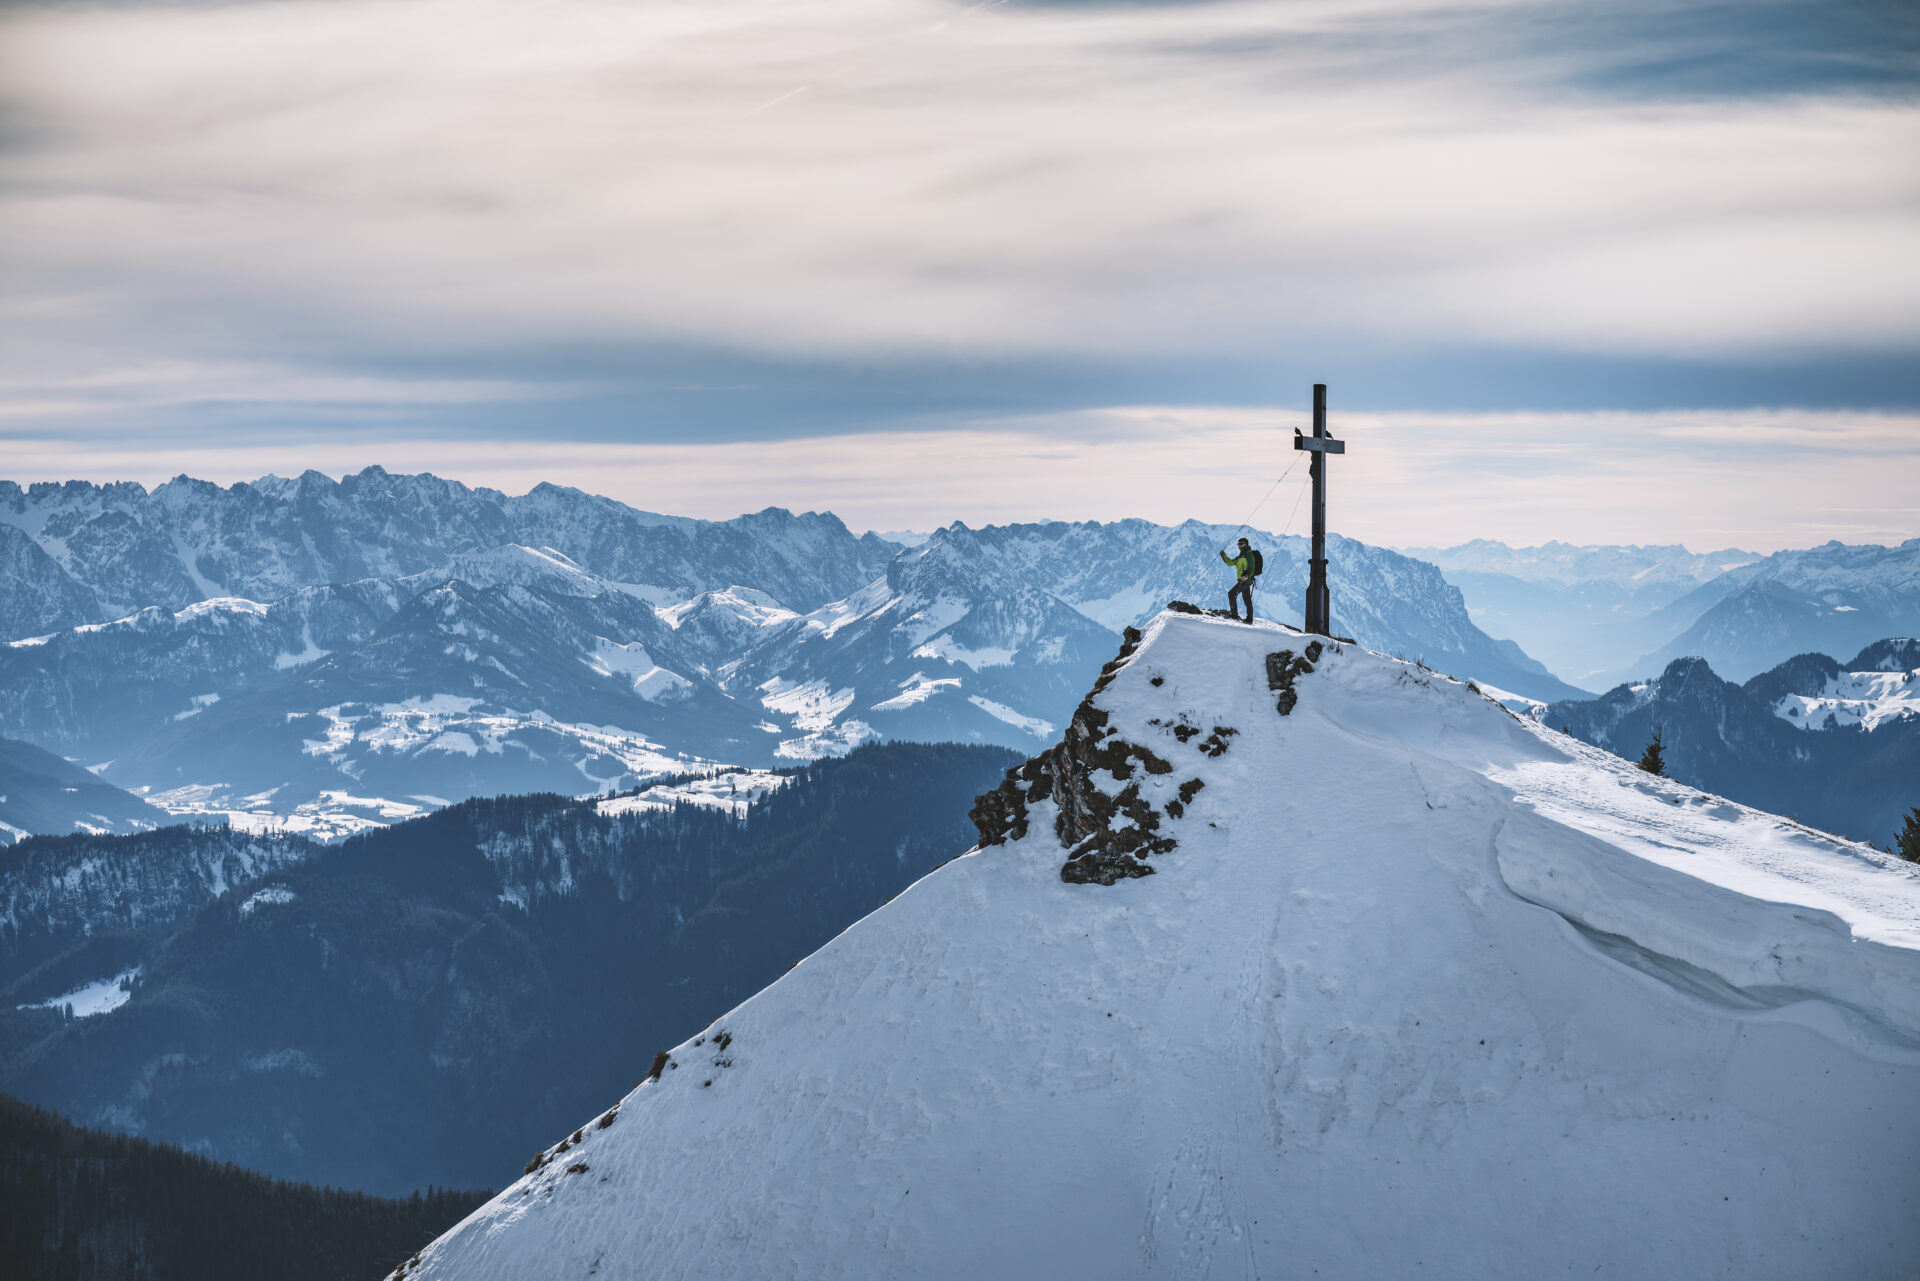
731	791
1424	989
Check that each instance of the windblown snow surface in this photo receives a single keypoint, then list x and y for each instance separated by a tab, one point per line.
1425	989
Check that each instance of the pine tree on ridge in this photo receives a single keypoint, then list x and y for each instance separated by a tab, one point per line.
1653	760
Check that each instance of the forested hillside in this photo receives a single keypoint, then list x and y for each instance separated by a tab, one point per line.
423	1003
82	1205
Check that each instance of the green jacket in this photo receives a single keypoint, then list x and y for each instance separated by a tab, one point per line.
1242	565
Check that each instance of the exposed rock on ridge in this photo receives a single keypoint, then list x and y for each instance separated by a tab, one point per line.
1283	669
1108	828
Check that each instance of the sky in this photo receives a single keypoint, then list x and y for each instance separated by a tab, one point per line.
1640	272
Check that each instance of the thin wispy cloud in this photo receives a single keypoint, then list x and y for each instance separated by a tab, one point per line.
102	392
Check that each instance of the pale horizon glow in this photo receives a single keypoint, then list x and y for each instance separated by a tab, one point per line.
1408	480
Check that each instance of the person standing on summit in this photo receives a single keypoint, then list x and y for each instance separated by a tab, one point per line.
1246	568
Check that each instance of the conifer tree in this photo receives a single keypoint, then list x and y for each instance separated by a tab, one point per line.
1654	760
1907	843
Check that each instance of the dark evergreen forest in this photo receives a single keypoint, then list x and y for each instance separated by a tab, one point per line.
429	1003
82	1205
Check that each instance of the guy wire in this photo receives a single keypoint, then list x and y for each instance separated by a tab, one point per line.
1269	494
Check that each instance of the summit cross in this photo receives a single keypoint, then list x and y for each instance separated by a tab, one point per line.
1319	612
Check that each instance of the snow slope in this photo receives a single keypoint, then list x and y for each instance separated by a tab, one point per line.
1422	989
1881	686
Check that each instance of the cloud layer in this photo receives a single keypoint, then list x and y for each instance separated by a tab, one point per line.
906	176
240	237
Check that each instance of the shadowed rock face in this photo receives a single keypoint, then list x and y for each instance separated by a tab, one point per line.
1099	851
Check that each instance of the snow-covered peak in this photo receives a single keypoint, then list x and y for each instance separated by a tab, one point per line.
720	626
1290	958
632	664
279	488
565	499
540	567
751	607
1842	574
217	606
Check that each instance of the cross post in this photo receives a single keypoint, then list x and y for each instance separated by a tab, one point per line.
1319	610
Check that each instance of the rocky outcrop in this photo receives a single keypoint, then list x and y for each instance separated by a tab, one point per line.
1108	831
1283	669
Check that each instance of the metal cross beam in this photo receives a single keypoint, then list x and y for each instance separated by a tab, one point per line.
1319	606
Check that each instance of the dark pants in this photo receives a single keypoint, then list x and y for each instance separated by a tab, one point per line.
1244	590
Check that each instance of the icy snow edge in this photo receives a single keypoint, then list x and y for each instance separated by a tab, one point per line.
1731	903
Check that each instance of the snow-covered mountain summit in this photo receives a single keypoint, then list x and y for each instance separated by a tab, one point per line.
1290	958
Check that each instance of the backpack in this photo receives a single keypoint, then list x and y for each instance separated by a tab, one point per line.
1259	561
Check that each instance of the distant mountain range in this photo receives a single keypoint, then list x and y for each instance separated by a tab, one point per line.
423	1003
321	656
1832	599
103	551
1834	745
1601	615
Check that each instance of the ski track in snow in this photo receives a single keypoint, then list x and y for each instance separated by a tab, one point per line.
1425	990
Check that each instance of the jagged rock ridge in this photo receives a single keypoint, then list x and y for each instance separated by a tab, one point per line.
1099	850
1111	828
